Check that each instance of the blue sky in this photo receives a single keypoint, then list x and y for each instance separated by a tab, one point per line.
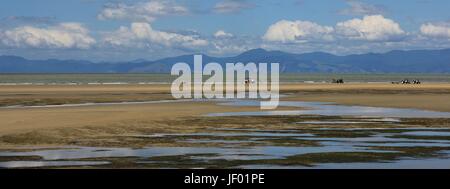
107	30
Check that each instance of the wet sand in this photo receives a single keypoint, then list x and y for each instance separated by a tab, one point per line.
37	123
435	96
430	96
75	94
29	119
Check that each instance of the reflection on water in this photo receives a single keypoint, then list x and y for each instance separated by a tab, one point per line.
404	163
334	122
427	133
250	144
96	104
382	140
266	151
327	109
230	150
380	128
220	134
24	164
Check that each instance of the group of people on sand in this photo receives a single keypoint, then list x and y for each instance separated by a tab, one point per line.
407	81
337	81
404	81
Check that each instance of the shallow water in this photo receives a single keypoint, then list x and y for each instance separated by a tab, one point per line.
383	128
405	163
427	133
327	109
334	122
375	138
219	134
228	148
25	164
92	152
96	104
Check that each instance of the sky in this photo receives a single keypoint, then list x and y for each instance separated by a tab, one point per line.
124	30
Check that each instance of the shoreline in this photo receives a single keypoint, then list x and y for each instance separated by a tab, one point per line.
157	130
433	97
168	83
428	96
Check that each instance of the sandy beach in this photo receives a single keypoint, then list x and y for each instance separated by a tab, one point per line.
426	96
27	121
433	96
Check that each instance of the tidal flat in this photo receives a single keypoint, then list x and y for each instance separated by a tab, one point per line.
224	142
183	134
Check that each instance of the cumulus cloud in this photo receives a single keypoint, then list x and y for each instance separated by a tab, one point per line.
371	28
141	34
360	8
224	48
232	45
436	30
231	6
297	31
142	11
63	35
222	34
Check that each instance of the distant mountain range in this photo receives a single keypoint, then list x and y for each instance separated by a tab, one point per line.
414	61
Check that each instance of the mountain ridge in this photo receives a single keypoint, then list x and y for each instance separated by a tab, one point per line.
396	61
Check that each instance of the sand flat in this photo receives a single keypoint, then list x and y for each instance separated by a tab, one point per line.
28	119
435	102
435	96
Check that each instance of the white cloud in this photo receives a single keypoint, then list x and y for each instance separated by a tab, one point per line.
232	45
231	6
63	35
142	11
223	48
360	8
371	28
222	34
437	30
141	34
297	31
